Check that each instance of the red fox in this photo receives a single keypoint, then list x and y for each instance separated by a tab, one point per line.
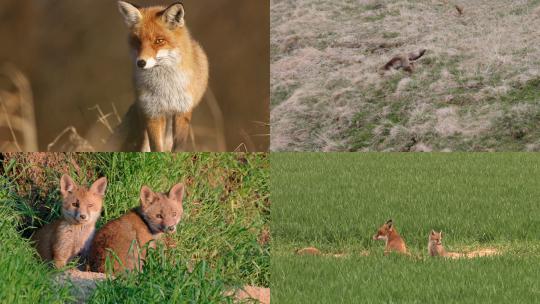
435	246
171	77
394	242
71	235
405	61
158	213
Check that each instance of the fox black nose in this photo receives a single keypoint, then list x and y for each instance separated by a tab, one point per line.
83	216
141	63
170	228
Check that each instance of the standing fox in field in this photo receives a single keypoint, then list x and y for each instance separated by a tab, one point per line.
158	213
171	76
394	242
435	246
71	235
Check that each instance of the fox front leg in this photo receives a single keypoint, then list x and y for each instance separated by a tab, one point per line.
60	257
181	124
155	128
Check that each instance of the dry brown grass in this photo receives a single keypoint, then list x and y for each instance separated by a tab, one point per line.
328	93
17	120
18	131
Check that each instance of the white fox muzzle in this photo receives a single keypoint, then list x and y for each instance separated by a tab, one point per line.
163	57
146	63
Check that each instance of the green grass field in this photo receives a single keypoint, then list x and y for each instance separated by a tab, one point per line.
336	202
226	212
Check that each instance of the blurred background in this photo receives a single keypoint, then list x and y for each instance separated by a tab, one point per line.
66	73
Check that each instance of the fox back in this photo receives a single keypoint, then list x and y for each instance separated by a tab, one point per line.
71	235
394	242
171	68
128	235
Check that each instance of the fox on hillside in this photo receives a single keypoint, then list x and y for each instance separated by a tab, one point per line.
170	78
71	235
394	242
127	236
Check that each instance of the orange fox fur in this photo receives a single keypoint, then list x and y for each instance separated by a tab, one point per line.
394	242
171	77
436	248
158	213
71	235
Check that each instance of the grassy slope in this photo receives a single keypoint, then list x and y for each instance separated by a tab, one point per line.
477	88
225	212
337	201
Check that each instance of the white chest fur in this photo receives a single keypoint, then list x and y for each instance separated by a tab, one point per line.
76	239
162	90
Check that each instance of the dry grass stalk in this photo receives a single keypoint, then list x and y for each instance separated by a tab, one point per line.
18	108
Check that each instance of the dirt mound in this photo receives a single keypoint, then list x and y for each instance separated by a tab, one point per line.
252	292
83	283
32	170
308	251
315	251
482	253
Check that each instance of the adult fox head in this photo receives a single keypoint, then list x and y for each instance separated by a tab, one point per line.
384	231
81	205
435	238
161	211
157	33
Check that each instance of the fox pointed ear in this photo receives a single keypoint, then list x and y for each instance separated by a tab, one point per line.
174	15
440	233
389	223
432	232
67	185
177	193
130	12
99	186
147	196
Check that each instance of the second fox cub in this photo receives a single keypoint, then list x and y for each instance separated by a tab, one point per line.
435	246
394	242
158	213
171	76
71	235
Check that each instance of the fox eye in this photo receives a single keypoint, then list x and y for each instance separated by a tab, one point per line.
174	214
159	41
159	216
90	205
75	204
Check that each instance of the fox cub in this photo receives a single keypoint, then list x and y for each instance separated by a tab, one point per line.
71	235
394	242
435	246
158	213
171	76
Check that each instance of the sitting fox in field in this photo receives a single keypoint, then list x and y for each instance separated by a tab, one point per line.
126	236
435	246
394	242
71	235
171	76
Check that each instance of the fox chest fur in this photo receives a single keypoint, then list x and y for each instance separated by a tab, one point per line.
61	241
436	250
74	239
163	90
